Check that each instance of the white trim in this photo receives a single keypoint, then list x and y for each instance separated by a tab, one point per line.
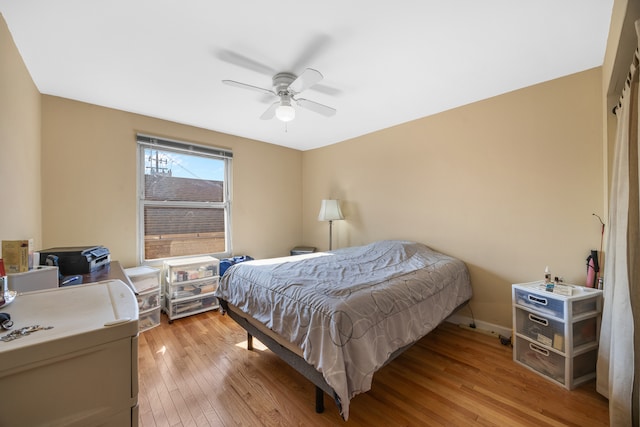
226	157
182	146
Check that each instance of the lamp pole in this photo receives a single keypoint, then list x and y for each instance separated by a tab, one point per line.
330	233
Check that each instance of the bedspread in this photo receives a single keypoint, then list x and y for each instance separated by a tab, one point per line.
350	309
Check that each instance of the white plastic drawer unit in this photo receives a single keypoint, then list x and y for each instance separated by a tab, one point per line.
145	282
189	284
556	335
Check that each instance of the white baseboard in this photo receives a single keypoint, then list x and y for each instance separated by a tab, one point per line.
483	327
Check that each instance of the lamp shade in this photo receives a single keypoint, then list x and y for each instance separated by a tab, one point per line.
330	211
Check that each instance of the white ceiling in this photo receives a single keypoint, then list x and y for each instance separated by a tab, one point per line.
384	62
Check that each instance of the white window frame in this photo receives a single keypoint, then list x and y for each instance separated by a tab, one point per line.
181	147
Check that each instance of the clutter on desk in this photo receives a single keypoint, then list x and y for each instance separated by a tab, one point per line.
29	271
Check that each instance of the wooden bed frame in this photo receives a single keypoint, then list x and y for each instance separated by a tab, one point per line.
294	360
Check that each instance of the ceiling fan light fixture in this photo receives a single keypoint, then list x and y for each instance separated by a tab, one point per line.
285	87
285	112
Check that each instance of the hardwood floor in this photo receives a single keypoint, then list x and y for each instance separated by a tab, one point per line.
198	372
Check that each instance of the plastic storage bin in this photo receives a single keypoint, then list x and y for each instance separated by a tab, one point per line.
181	308
193	287
145	282
149	319
541	359
545	330
148	300
541	303
189	284
556	335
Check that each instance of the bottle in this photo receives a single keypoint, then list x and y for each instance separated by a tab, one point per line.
548	284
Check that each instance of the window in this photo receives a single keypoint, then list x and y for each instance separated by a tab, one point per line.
184	203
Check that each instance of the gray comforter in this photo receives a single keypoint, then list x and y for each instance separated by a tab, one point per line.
350	309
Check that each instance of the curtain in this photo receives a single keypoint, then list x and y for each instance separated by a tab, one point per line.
618	355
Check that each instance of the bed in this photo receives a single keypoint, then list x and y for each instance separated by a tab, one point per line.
337	317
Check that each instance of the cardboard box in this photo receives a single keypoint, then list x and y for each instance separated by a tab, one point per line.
17	255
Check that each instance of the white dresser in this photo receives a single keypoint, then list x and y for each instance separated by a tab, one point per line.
84	370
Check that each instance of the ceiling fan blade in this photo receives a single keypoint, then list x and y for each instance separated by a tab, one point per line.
244	62
316	47
308	78
327	90
271	111
316	107
250	87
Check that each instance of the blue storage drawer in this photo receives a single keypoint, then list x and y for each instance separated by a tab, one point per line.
543	304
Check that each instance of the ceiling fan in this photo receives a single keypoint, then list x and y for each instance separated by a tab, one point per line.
286	87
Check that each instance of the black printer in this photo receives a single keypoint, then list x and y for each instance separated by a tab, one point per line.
76	260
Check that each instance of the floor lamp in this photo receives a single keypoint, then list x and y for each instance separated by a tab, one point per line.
330	211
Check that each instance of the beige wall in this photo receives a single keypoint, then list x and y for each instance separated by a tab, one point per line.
89	181
19	145
508	185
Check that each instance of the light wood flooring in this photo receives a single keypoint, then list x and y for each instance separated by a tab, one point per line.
198	372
